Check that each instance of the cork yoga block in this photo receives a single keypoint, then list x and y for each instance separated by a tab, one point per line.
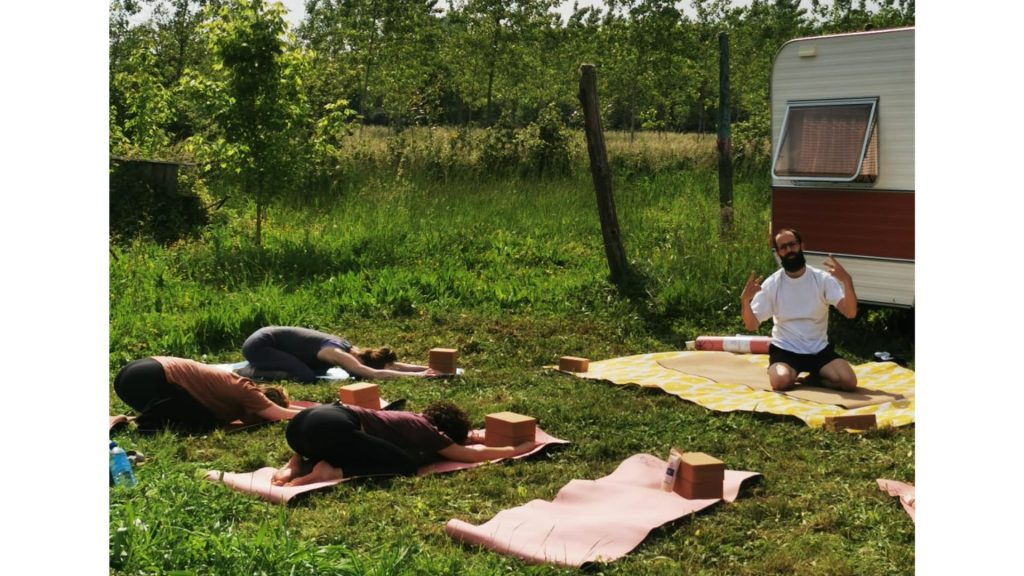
699	468
509	429
698	490
852	421
444	360
362	394
573	364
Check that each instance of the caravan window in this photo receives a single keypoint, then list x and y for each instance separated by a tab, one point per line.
829	141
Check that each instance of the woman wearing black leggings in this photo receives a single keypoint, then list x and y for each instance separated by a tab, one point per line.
303	354
192	396
340	441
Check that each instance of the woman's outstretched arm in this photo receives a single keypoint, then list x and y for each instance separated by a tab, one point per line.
480	453
352	365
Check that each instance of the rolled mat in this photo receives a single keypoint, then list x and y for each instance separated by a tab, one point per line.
591	520
738	344
902	490
258	482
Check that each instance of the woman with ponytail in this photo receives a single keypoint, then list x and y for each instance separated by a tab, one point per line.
294	353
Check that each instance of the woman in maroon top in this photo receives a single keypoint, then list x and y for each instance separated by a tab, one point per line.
339	441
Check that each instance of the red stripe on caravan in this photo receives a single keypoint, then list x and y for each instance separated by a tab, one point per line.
860	223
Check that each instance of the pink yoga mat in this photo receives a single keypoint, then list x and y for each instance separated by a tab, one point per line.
258	482
591	520
902	490
234	426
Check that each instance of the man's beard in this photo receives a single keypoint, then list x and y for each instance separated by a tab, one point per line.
793	261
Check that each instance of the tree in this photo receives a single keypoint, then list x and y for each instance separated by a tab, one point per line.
258	102
140	104
387	48
495	53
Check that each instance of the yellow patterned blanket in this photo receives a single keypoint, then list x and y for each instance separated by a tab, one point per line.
732	382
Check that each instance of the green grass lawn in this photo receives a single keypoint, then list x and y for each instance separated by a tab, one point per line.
511	273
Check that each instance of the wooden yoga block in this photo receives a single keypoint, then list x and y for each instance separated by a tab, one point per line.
443	360
362	394
854	421
699	468
698	490
573	364
509	429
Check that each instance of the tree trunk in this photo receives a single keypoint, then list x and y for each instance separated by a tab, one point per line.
599	169
259	212
491	65
724	137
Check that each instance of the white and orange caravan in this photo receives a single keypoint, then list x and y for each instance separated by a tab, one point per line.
843	155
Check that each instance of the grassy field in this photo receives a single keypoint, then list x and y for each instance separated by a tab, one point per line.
512	273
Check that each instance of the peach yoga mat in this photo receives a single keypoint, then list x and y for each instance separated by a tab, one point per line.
233	426
902	490
591	520
258	482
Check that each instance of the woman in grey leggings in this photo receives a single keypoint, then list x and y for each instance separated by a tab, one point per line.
303	354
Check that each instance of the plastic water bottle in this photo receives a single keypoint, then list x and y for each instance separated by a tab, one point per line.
120	467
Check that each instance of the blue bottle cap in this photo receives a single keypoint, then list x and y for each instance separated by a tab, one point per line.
112	444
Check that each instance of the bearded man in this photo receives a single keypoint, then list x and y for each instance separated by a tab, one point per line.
796	298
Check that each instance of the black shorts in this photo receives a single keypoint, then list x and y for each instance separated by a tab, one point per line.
802	362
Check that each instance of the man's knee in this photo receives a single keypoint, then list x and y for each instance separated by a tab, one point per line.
781	377
840	375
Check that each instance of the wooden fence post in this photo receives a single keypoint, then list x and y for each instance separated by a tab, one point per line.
724	136
601	174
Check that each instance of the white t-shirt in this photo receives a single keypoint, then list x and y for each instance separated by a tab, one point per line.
798	308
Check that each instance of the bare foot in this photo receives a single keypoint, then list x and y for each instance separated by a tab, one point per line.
283	475
322	472
809	380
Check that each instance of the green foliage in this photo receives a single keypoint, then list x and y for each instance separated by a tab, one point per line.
141	106
482	239
264	116
140	206
512	273
547	145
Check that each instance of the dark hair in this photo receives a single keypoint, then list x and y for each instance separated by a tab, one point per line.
450	419
793	231
277	395
376	357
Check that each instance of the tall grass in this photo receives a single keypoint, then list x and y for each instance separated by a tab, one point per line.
511	271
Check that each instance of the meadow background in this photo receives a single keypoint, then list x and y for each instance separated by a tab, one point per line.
403	175
510	271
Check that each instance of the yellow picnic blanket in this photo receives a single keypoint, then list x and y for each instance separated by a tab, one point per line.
726	395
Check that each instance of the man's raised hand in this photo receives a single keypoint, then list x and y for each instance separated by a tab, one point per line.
836	269
752	287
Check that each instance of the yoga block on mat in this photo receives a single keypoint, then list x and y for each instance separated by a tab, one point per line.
698	490
854	421
573	364
699	468
443	360
362	394
502	440
509	429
